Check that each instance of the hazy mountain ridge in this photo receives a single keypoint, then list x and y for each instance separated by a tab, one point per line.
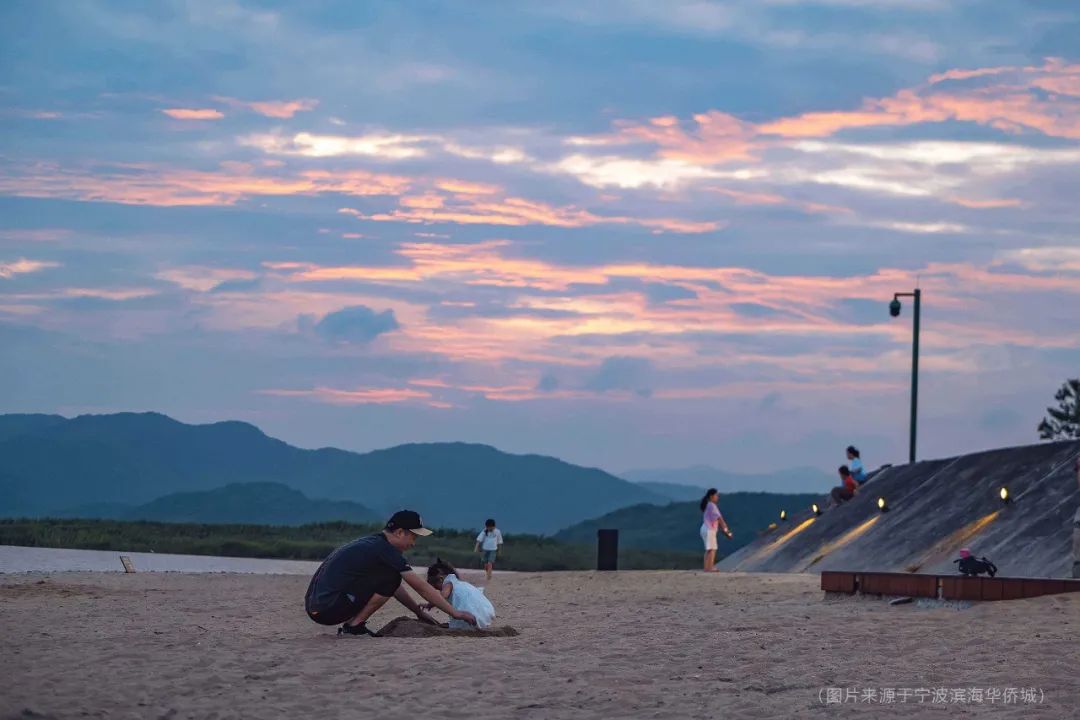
131	459
261	503
701	477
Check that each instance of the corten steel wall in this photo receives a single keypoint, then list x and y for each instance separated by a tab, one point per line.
947	587
936	508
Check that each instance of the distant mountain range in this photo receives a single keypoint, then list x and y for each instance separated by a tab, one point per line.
51	465
677	483
260	503
676	526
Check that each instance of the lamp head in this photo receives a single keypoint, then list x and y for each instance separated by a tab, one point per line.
1004	494
783	514
894	307
882	505
816	509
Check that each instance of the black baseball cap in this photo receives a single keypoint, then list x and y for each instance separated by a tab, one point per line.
407	520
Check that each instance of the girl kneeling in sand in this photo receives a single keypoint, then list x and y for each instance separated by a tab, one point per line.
462	595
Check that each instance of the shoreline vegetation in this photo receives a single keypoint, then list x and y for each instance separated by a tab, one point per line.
527	553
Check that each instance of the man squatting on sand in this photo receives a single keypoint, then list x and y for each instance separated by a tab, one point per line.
358	578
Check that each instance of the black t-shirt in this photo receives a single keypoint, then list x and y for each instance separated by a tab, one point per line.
355	565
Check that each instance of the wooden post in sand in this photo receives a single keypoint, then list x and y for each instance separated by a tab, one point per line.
607	549
129	567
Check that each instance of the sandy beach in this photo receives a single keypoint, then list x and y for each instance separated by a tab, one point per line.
627	644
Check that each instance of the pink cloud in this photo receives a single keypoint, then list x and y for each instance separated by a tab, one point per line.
713	137
765	198
114	294
36	234
23	266
364	396
473	209
987	203
466	187
1010	98
193	113
147	184
281	109
201	278
1005	99
547	312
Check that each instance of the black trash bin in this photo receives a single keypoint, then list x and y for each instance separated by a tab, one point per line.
607	549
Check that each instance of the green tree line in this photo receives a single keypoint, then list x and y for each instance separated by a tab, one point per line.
315	542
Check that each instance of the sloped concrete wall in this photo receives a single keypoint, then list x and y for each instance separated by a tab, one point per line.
936	508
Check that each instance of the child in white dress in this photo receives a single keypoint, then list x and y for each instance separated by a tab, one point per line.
462	595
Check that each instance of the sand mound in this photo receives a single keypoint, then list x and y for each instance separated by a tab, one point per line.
404	627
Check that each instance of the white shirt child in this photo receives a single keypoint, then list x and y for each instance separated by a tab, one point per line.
490	540
466	596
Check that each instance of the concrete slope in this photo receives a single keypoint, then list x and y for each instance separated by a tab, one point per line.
937	507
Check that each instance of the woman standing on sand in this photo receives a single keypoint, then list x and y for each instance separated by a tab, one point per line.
710	522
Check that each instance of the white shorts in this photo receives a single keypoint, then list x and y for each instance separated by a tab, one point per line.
708	536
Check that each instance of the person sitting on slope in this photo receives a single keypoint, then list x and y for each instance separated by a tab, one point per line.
847	490
855	465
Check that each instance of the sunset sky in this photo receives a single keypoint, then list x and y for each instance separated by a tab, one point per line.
625	233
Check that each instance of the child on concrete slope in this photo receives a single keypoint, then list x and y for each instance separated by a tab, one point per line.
462	595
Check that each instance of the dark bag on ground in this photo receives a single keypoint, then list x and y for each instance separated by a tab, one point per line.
972	566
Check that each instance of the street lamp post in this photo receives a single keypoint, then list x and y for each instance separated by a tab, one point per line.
894	310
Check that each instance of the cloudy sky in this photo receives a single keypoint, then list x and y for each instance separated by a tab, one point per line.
626	233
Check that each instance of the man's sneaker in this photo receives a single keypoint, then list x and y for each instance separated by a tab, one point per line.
361	629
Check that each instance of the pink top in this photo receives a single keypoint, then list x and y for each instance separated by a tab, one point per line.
712	516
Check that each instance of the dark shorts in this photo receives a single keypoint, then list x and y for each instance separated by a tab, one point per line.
841	494
345	605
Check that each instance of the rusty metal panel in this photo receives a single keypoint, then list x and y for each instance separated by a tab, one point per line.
925	586
1011	588
961	588
904	584
832	581
1034	588
1054	586
877	584
992	589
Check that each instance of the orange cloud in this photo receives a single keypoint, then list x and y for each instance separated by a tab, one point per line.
759	198
146	184
465	187
515	211
22	266
282	109
367	396
201	278
713	137
1007	101
477	263
115	294
989	203
1011	98
193	113
546	314
36	234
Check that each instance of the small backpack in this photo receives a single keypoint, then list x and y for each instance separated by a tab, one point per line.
973	567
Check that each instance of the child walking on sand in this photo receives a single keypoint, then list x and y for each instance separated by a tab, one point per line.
461	595
488	542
